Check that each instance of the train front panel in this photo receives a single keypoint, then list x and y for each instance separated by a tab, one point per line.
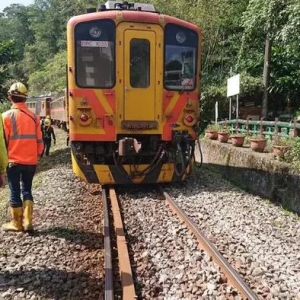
133	93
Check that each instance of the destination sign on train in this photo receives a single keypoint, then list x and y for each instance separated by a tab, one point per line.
101	44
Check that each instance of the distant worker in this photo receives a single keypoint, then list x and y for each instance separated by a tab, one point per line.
24	145
48	134
3	155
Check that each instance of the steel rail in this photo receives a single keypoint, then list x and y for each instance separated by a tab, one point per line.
109	289
233	277
128	290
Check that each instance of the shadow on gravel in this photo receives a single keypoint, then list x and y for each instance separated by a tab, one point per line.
90	240
49	284
57	157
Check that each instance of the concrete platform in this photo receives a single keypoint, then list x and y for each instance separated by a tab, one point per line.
258	173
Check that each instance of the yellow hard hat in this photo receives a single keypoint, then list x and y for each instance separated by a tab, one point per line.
47	122
18	89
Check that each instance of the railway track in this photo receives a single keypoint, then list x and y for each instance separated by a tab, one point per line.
128	290
126	275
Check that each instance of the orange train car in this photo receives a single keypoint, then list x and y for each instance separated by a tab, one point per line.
133	94
58	111
39	106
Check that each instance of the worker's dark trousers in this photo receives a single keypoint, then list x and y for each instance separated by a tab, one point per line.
20	181
47	145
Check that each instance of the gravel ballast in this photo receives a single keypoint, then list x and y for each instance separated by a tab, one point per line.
260	239
63	259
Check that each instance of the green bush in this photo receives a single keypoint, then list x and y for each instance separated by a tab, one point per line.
293	156
4	106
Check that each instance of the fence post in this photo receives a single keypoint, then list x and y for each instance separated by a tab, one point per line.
247	125
261	129
276	127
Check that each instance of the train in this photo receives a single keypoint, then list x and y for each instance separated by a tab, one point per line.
54	106
131	105
133	87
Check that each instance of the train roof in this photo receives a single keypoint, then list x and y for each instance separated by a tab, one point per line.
36	99
130	15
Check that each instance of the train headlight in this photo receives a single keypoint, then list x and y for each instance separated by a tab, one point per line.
190	119
180	37
84	117
95	32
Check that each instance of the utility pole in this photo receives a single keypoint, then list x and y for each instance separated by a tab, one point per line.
266	77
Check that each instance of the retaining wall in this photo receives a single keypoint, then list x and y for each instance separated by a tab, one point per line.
258	173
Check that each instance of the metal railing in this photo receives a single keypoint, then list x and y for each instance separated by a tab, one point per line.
267	128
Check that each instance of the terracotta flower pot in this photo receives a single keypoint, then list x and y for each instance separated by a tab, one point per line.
223	137
258	144
211	134
280	151
237	140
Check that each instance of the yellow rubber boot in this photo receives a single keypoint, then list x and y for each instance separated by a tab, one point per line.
16	223
27	215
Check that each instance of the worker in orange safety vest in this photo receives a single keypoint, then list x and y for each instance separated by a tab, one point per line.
3	155
24	146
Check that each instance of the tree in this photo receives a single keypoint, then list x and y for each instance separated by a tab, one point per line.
278	22
7	54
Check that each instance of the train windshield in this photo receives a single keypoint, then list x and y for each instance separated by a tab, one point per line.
95	54
181	46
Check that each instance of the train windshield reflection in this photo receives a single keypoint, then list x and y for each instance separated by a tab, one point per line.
180	65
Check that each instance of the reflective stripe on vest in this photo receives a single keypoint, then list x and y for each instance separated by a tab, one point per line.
15	135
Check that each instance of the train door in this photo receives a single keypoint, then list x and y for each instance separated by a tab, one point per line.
48	101
38	107
139	75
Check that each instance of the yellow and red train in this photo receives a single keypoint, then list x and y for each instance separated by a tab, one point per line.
133	93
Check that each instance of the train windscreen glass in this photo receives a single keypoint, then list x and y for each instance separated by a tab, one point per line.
181	45
95	54
139	63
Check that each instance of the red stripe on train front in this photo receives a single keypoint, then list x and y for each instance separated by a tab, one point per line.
109	129
174	115
92	99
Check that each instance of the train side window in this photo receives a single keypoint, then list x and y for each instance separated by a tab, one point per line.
95	54
181	48
139	63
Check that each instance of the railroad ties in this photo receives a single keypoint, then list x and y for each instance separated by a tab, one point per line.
112	215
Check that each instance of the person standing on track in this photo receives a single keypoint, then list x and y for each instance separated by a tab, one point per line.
3	155
48	134
24	146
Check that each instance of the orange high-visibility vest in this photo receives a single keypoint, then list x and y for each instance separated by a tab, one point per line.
23	135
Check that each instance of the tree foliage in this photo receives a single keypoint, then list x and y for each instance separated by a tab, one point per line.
234	33
7	55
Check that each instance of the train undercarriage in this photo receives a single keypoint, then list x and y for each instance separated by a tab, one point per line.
135	159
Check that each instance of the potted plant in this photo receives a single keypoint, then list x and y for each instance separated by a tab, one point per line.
258	142
237	139
223	134
281	146
212	131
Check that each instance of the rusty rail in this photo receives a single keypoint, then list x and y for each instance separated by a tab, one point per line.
128	290
109	292
233	277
